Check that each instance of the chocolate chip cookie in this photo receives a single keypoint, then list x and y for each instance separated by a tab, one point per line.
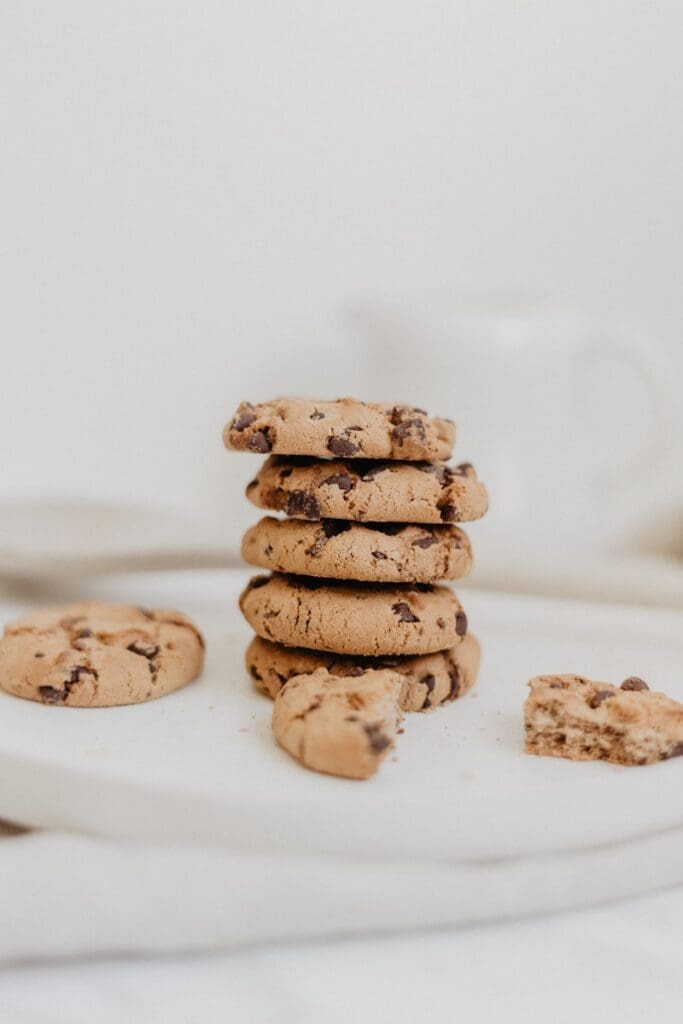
98	655
353	618
381	492
346	428
431	679
340	549
340	726
569	716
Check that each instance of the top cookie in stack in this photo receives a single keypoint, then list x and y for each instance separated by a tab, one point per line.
371	506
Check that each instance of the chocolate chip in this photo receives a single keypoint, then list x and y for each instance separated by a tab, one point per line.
342	446
355	670
317	415
460	623
302	503
341	480
559	684
255	674
634	683
454	676
404	430
676	751
425	542
598	697
260	441
430	682
143	649
39	654
404	612
50	695
441	623
379	741
447	512
441	472
463	469
244	418
78	671
379	556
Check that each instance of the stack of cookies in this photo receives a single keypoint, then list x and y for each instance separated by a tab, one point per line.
352	627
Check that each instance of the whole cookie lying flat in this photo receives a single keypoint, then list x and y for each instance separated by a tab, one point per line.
431	679
569	716
347	428
98	655
381	492
376	552
336	725
353	618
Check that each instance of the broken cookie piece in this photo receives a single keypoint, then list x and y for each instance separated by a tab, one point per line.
569	716
337	726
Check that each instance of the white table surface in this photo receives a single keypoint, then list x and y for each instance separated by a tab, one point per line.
618	962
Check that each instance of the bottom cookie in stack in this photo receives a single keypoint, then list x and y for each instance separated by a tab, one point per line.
431	679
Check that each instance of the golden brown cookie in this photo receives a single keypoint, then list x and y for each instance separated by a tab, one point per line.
353	618
375	552
340	726
346	428
381	492
569	716
431	679
98	655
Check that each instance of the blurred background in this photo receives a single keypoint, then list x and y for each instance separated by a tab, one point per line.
473	206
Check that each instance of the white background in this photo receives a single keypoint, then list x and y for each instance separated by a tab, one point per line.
193	194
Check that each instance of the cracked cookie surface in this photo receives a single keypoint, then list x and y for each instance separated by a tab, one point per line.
340	726
346	428
380	492
95	654
569	716
353	618
374	552
431	679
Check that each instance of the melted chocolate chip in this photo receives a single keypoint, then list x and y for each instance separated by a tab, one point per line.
302	503
598	697
404	612
342	446
260	441
379	741
341	480
425	542
244	418
460	623
634	683
430	682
